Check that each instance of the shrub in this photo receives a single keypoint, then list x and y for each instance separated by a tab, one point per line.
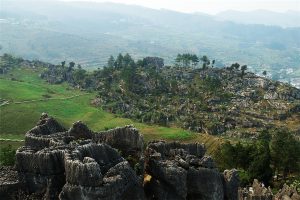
7	155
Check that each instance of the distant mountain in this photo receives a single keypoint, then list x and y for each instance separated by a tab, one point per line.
265	17
88	33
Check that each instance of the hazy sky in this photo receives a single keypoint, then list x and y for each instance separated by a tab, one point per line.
213	6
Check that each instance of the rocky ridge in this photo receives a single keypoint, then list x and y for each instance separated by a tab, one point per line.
78	163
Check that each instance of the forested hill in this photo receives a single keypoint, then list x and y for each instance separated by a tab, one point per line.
193	94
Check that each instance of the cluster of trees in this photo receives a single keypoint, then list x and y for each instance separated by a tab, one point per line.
122	72
237	66
126	60
275	153
192	60
128	71
74	75
7	62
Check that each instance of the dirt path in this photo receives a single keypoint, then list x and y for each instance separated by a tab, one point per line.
10	140
39	100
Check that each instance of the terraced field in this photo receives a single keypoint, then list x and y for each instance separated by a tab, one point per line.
24	96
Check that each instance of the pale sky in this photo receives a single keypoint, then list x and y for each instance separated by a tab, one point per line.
212	6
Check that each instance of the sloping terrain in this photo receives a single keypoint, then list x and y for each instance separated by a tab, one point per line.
220	101
24	96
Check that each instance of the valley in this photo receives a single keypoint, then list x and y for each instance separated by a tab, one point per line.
106	29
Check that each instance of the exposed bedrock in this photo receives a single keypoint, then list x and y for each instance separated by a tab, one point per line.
231	184
259	192
181	171
41	171
80	131
57	163
40	136
9	183
80	164
126	139
130	144
287	193
97	171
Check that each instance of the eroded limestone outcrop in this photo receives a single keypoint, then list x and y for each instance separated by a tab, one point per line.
259	192
97	171
75	164
78	163
287	193
181	171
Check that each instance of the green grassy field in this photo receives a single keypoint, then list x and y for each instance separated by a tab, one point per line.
22	85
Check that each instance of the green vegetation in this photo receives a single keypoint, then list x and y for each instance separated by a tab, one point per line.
275	153
7	155
185	95
285	151
153	98
22	84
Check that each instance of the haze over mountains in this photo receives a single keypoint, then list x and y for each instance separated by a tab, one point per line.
88	33
287	19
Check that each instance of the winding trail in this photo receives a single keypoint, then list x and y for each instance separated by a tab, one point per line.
11	140
39	100
32	101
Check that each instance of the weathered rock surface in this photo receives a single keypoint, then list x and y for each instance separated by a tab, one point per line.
287	193
9	187
259	192
56	163
97	171
231	180
78	163
181	171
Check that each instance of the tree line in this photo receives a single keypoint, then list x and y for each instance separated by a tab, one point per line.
192	60
275	154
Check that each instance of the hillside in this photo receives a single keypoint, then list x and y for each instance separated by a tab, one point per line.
24	96
51	31
226	101
285	19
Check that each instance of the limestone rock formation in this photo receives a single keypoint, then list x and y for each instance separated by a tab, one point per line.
231	180
287	193
260	192
257	191
97	171
9	183
181	171
57	163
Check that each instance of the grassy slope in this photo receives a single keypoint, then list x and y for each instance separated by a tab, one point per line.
17	118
